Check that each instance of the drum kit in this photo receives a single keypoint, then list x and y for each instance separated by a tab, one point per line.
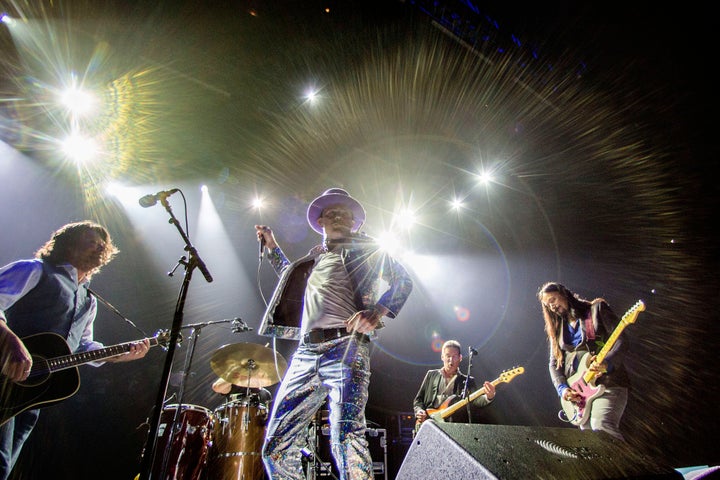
225	443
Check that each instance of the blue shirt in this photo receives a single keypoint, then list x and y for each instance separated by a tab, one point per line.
39	297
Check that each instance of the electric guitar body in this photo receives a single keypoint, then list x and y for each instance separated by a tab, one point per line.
583	381
448	407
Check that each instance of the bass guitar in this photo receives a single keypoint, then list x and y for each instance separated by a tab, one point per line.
583	381
446	409
54	376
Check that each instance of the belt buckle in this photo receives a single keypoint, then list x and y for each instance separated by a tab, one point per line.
316	336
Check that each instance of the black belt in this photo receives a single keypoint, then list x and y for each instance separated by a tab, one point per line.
327	334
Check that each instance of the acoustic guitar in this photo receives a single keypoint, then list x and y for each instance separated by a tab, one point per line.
54	376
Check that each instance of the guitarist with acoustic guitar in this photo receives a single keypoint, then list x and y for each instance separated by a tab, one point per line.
49	295
444	386
586	357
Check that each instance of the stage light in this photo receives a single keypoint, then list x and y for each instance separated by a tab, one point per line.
6	19
486	177
79	102
79	148
312	96
457	204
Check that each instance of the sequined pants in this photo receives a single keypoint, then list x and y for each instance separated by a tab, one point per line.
338	369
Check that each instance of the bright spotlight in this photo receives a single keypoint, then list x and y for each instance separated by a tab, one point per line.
257	203
485	177
6	19
79	102
457	204
79	148
312	96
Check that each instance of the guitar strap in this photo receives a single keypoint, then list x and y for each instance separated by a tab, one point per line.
589	327
447	391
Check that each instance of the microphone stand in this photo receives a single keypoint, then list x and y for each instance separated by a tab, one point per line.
190	265
466	390
195	330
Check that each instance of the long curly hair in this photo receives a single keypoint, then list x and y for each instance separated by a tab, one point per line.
64	241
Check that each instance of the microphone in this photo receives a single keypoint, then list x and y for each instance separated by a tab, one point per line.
150	200
262	246
239	326
472	351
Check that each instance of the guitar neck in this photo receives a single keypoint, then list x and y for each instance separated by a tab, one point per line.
458	405
69	361
589	376
610	342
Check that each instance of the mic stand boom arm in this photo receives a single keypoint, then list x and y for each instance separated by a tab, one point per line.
190	265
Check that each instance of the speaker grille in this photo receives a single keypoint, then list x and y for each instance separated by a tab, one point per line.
471	451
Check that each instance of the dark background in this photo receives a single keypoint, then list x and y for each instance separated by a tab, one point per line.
595	120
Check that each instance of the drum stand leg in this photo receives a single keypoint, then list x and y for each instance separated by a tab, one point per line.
312	463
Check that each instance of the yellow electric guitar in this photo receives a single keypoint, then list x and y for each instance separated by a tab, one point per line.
583	381
448	407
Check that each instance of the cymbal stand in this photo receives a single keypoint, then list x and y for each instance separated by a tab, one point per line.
252	365
175	425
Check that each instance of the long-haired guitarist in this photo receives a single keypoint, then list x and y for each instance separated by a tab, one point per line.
445	386
577	330
49	294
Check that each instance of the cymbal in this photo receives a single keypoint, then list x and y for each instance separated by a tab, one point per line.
248	365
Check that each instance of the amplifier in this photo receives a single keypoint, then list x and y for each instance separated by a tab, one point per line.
406	427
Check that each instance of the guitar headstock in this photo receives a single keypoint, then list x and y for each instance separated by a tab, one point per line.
163	338
631	315
508	375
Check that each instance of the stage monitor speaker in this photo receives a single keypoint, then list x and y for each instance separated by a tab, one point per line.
470	452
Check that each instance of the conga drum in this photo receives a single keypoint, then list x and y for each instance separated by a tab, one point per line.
182	448
238	434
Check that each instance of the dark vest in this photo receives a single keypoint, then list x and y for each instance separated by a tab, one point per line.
52	306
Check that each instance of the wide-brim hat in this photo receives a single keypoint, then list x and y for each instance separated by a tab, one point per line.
334	196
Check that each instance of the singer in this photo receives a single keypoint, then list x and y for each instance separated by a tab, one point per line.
341	310
442	387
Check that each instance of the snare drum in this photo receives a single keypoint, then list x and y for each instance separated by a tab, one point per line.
185	447
238	435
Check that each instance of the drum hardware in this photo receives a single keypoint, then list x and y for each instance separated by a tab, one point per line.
319	427
158	460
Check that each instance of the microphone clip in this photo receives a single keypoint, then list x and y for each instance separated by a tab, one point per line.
239	326
152	199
